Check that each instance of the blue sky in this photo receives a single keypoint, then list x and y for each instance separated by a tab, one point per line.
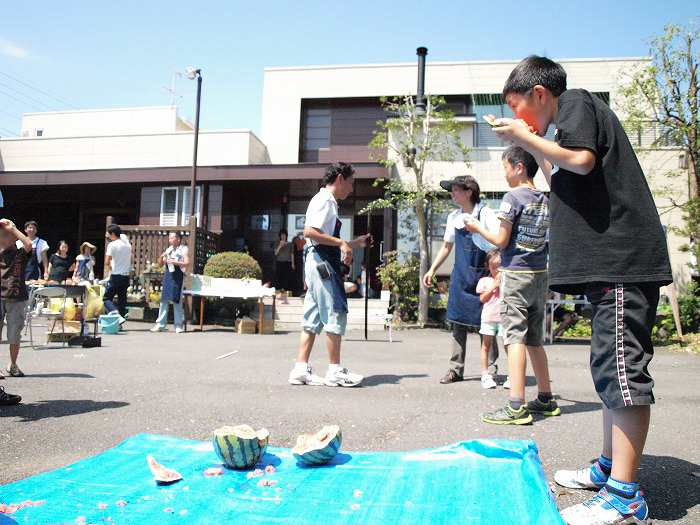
116	54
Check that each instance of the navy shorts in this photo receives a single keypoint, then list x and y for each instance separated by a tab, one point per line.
621	346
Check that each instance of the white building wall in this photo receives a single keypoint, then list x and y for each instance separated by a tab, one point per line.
216	148
284	88
101	122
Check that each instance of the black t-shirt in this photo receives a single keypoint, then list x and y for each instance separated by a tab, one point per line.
59	268
13	266
604	225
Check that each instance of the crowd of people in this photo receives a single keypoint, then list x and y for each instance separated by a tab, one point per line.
597	235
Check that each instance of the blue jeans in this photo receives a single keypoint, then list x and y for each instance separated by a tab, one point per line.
178	314
118	285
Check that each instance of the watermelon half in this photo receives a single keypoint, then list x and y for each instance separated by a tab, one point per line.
240	447
319	448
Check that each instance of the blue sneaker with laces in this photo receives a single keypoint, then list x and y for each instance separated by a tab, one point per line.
608	509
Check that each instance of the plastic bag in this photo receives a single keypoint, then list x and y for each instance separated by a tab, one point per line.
94	305
69	310
55	304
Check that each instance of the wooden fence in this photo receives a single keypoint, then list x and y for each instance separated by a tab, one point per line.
148	242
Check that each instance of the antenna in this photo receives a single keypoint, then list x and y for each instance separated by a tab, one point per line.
175	74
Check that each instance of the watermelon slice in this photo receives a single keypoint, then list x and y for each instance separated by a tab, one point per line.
319	448
493	121
163	474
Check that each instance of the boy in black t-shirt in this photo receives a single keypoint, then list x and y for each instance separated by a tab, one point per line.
606	241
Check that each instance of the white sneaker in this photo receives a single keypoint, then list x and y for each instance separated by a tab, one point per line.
179	330
607	509
305	377
121	320
157	328
590	477
507	383
487	381
343	378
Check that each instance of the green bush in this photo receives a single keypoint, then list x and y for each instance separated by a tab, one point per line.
233	265
400	273
689	306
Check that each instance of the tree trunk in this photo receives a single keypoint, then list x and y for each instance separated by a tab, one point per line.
692	174
424	294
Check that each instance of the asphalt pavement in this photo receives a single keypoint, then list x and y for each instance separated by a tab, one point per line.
81	401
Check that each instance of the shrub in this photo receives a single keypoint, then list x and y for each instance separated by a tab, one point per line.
233	265
689	306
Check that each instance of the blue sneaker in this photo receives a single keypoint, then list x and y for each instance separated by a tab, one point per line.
607	509
586	478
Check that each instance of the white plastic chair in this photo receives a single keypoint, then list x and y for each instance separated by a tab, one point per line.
38	302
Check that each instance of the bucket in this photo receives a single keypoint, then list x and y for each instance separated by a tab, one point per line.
109	324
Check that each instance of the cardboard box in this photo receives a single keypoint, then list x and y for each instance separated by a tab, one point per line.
244	326
71	329
268	326
136	313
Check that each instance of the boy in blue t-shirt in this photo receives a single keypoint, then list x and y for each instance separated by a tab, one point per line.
606	240
522	236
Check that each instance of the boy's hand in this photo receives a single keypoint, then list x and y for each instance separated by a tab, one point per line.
514	131
428	279
7	223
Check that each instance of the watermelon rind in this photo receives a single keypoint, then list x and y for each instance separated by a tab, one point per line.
313	452
240	447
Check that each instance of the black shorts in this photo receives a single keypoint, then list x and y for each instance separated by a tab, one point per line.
621	347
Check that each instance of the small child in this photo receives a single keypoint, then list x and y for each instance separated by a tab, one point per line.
489	293
524	215
13	266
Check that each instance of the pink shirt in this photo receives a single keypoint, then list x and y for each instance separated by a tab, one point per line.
491	312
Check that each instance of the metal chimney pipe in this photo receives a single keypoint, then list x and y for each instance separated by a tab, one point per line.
420	91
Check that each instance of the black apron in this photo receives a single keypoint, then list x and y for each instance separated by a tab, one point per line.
333	256
464	304
172	282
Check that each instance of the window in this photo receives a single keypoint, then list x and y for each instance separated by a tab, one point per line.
315	132
38	132
168	207
186	206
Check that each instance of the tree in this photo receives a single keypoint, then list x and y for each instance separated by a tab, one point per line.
410	140
660	99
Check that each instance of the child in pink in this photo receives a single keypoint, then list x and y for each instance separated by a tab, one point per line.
488	289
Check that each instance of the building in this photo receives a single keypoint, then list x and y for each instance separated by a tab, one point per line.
71	169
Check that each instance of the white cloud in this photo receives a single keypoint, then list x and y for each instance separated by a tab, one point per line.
12	50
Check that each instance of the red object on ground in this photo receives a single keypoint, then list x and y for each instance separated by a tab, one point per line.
267	482
269	469
14	507
121	503
162	473
213	472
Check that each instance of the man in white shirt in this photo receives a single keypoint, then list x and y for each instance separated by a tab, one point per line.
118	262
38	265
325	303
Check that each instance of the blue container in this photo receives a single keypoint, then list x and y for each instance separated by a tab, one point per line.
109	324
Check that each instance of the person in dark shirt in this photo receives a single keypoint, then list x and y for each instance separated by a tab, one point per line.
60	264
606	240
13	291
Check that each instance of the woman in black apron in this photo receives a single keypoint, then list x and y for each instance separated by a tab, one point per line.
176	260
463	305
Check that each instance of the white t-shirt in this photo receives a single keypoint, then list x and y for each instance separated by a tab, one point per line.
322	213
488	218
39	246
120	252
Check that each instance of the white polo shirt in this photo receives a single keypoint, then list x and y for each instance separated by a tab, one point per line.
322	213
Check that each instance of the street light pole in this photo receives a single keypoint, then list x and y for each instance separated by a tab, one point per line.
192	74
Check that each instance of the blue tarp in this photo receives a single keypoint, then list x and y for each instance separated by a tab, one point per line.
484	481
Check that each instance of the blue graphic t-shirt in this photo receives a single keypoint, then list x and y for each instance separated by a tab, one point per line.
528	211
